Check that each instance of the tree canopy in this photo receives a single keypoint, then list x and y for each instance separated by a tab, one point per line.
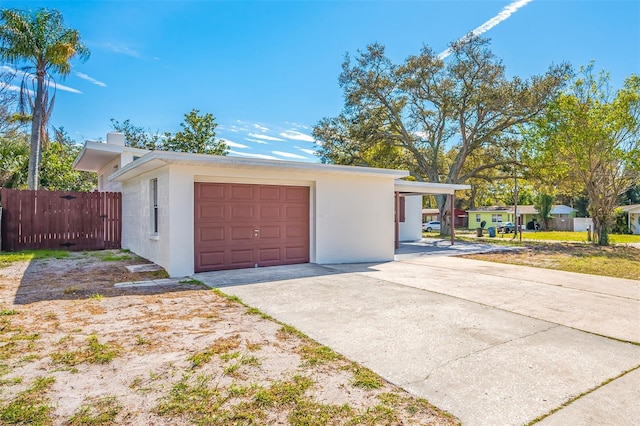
446	122
591	136
197	135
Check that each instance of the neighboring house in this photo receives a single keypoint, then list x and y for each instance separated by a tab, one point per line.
195	212
633	217
460	216
496	215
430	214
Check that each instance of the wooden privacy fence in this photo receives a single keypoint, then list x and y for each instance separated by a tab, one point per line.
60	220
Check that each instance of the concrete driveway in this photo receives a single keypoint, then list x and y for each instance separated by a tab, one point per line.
492	344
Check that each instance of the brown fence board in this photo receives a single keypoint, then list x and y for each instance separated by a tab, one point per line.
60	220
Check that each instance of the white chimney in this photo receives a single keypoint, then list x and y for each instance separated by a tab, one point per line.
115	138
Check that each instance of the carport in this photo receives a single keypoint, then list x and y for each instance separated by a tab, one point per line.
408	188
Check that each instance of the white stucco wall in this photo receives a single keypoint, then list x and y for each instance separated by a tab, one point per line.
581	224
103	177
411	228
136	217
634	223
354	219
351	217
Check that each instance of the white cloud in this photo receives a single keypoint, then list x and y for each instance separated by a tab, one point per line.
265	137
256	141
247	154
261	128
121	49
289	155
234	144
12	87
66	88
298	136
307	151
90	79
504	14
31	79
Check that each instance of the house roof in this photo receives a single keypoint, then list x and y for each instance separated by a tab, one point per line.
156	159
94	155
424	188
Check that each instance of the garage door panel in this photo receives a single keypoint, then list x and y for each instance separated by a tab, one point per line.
214	259
212	191
269	254
270	193
241	192
296	253
242	212
270	232
241	256
210	211
241	233
270	212
226	219
294	231
296	193
296	212
211	234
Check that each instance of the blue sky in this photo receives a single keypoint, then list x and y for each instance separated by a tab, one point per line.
268	70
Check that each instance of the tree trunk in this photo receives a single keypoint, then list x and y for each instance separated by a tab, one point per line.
35	155
600	230
444	205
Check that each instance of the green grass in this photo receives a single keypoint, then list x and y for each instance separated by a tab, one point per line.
365	378
30	406
94	353
9	258
616	261
220	346
111	256
102	412
314	354
573	237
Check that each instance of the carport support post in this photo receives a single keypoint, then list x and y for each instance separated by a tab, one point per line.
452	197
397	220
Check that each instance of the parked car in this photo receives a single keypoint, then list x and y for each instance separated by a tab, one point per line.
434	225
507	227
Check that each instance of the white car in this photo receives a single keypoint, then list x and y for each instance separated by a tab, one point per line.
434	225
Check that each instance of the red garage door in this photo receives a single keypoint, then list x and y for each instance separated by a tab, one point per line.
244	226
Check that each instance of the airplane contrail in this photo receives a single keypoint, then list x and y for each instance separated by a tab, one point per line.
507	11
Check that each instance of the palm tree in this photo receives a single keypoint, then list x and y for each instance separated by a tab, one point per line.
40	41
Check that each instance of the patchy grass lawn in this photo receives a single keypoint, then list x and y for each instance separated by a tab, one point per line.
580	237
615	261
75	350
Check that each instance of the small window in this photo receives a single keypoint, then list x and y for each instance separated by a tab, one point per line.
496	218
135	157
478	217
153	190
403	209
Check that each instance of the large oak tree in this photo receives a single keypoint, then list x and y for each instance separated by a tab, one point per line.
437	115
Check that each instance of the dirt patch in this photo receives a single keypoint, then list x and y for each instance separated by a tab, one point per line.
76	350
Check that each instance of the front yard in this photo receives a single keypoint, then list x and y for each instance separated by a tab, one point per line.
76	350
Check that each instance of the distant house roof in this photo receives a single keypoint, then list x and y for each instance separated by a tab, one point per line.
430	211
631	208
556	209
